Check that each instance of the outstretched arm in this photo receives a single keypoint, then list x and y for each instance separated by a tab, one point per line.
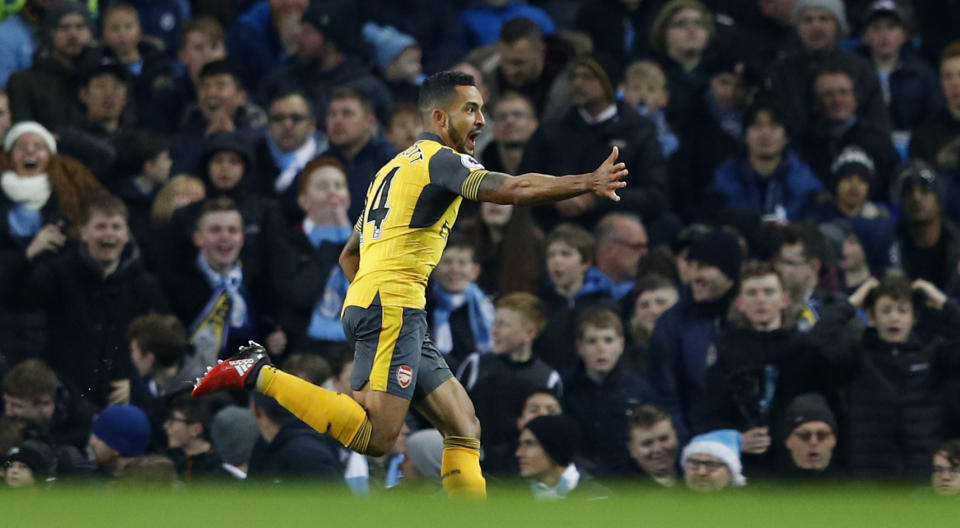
533	188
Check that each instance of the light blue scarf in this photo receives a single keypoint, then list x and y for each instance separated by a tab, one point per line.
325	322
480	311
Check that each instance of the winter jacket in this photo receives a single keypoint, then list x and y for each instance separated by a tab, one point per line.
188	145
943	269
361	169
254	38
601	411
914	90
935	133
47	92
163	19
678	356
296	452
90	313
790	188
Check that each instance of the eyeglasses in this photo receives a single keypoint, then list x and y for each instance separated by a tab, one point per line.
805	436
295	118
687	23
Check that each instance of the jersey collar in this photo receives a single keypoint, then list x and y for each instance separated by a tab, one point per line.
429	136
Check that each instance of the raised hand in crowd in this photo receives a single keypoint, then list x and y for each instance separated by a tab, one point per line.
49	238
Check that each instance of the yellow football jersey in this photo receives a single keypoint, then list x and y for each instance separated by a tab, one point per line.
411	205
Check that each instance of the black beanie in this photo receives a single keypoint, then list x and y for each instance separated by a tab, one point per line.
558	434
810	407
720	249
37	456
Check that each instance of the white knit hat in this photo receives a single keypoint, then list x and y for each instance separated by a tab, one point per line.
22	128
723	444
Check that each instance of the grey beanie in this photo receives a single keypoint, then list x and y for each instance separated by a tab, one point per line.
234	431
425	449
835	7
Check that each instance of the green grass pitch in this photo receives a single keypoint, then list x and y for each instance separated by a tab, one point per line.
265	506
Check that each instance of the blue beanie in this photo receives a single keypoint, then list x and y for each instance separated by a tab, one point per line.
124	428
387	41
723	444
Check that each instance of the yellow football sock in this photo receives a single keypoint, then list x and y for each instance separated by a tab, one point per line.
337	415
460	468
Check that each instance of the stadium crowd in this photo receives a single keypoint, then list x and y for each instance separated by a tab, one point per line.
775	298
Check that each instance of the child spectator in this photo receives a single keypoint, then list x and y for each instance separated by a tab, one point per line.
119	434
406	125
654	295
29	464
162	357
893	364
653	444
546	457
313	286
141	169
600	391
711	461
853	176
645	89
574	284
910	87
399	60
946	469
188	439
461	315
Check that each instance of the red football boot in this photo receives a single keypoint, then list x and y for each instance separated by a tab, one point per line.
237	373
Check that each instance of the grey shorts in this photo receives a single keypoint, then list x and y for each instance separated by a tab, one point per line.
393	352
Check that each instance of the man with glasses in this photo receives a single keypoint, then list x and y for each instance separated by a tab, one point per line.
514	121
946	469
810	430
711	461
292	141
621	244
799	255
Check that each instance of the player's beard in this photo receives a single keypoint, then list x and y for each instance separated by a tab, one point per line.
459	141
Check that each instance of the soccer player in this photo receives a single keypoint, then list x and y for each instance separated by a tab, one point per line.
410	207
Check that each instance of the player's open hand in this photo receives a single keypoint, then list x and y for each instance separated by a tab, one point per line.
608	176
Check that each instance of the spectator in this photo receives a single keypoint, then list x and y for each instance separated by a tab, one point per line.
5	121
684	333
119	434
809	432
104	96
19	38
288	448
163	358
222	106
853	263
327	59
188	439
799	258
89	293
908	84
600	391
163	21
767	178
280	155
226	304
511	250
352	127
398	59
711	461
653	445
32	393
47	91
621	244
679	37
234	433
489	18
142	168
946	469
527	65
820	24
834	124
29	464
545	455
499	380
313	285
461	313
853	176
406	125
422	457
514	122
929	243
937	141
573	285
882	443
500	458
203	42
645	89
653	295
573	143
265	35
